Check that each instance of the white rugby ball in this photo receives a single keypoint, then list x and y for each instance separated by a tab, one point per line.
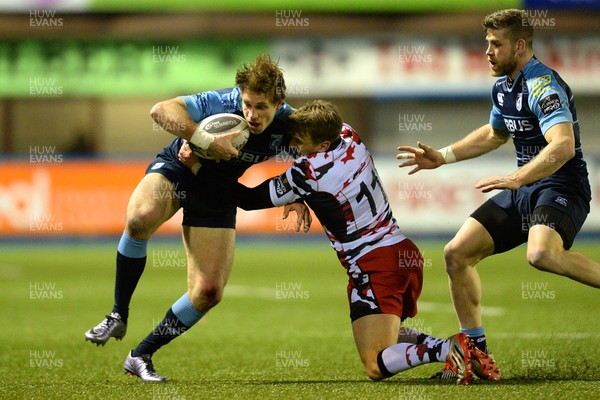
220	124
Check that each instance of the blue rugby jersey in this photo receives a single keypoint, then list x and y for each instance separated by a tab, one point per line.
538	99
273	140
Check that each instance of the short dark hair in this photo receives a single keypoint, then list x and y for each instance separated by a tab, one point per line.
517	23
320	120
262	76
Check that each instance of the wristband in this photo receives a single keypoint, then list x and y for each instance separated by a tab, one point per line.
201	138
448	154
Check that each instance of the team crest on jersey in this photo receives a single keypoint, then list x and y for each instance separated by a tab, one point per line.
282	185
500	99
275	142
519	103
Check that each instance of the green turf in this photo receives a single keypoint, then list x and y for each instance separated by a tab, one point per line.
282	330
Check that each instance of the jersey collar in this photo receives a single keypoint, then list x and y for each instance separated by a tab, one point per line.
530	65
334	144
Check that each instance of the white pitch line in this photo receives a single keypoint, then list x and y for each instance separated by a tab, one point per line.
428	306
266	293
541	335
252	292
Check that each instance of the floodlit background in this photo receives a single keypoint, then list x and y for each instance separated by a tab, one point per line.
77	81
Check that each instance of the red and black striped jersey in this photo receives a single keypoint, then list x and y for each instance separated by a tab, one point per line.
342	187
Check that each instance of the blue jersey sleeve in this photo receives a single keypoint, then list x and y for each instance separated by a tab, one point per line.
548	101
203	104
496	119
284	111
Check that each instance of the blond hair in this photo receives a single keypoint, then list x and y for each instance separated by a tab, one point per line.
320	120
262	76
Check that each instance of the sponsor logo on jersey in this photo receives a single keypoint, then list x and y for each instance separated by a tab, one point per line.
543	80
519	103
561	200
518	125
540	85
282	185
550	103
252	158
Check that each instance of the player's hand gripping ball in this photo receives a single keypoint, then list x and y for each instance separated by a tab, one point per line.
220	124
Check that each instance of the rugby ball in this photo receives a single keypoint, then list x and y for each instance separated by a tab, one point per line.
220	124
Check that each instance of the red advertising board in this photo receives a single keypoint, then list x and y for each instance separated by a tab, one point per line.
57	197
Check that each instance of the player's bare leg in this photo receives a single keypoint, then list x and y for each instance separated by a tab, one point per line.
210	258
376	339
471	244
545	252
153	202
210	254
373	333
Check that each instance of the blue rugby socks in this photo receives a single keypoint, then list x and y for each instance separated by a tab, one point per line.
181	316
477	335
131	260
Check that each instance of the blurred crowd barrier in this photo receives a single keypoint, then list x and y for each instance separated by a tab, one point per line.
53	197
50	196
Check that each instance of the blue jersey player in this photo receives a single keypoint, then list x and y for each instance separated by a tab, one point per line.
208	219
546	200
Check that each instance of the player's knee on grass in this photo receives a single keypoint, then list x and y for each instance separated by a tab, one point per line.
372	370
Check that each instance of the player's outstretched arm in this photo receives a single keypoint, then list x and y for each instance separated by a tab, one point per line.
259	197
560	149
422	157
480	141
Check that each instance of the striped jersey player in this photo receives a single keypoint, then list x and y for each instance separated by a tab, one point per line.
336	177
343	189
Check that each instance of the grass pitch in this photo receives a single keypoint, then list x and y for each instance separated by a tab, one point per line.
282	329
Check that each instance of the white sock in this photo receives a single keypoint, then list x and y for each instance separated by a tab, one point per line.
403	356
